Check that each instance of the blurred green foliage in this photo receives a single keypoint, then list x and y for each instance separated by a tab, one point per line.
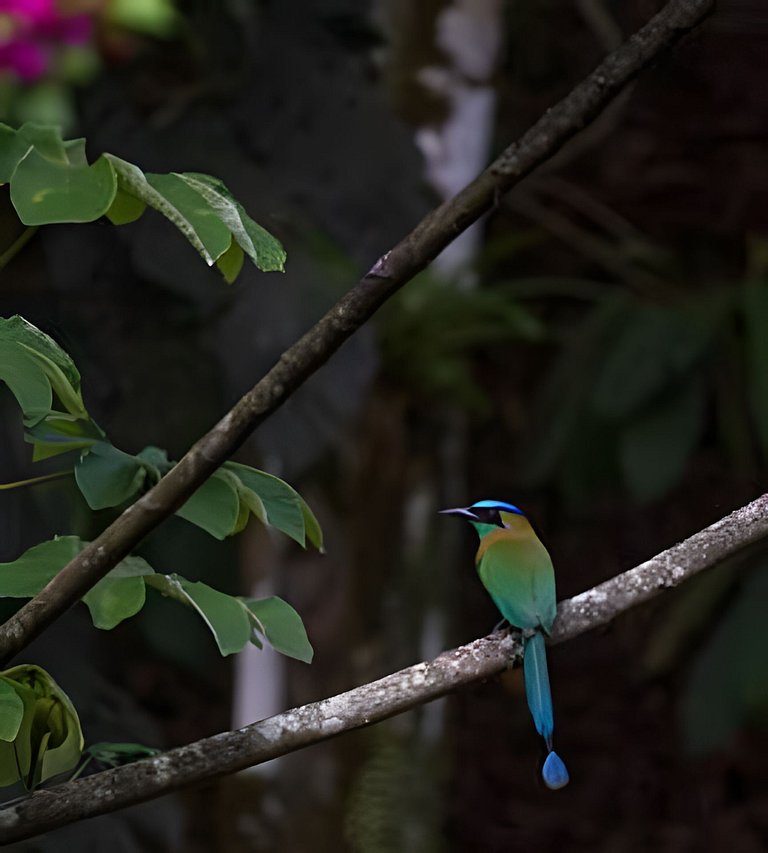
431	330
395	803
634	388
727	686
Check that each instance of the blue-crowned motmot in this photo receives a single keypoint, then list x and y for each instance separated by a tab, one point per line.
517	571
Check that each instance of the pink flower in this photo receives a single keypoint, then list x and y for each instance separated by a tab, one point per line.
30	32
27	59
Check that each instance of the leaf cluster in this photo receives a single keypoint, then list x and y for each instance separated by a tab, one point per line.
431	331
233	621
40	734
46	384
52	181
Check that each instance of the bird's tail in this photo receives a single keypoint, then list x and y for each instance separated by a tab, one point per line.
540	702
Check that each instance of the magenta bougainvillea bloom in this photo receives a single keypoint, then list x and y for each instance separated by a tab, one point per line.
30	32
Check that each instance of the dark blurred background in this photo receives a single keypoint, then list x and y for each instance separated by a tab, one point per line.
596	351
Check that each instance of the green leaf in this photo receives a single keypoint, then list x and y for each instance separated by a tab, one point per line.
27	382
60	384
112	600
120	594
656	447
155	17
231	262
117	754
562	397
125	208
51	181
20	331
655	347
45	190
62	744
285	509
155	458
49	740
312	526
224	614
755	312
12	149
34	367
49	100
108	477
16	755
57	434
75	151
46	139
281	625
25	576
214	507
11	711
117	596
728	684
212	232
265	250
133	181
130	567
221	506
687	617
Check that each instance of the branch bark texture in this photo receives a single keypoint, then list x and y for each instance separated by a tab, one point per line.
287	732
391	271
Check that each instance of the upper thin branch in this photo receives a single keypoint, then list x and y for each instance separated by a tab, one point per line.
371	703
392	270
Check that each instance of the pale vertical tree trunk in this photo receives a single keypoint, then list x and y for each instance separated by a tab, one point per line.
469	34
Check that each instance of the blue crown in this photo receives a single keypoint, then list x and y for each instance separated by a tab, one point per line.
500	505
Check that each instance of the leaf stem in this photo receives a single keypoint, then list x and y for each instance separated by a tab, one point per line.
33	480
80	769
18	244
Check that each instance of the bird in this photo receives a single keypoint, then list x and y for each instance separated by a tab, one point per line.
516	570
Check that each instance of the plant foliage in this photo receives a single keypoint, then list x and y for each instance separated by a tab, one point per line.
46	384
233	621
40	734
52	181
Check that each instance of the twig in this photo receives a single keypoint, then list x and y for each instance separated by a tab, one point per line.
18	244
592	208
595	248
33	481
309	724
601	22
389	273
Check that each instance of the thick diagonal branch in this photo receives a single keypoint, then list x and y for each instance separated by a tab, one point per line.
392	270
371	703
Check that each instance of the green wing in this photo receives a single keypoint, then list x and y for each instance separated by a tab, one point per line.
518	574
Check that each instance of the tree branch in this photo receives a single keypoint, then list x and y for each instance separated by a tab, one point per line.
309	724
391	272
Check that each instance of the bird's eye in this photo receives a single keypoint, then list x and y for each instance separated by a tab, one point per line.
489	515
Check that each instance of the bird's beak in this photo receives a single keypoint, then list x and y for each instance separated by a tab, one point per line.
459	511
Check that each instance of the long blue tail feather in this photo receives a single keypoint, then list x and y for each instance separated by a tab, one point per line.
539	698
537	685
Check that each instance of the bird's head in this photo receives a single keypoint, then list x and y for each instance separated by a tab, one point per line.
487	513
